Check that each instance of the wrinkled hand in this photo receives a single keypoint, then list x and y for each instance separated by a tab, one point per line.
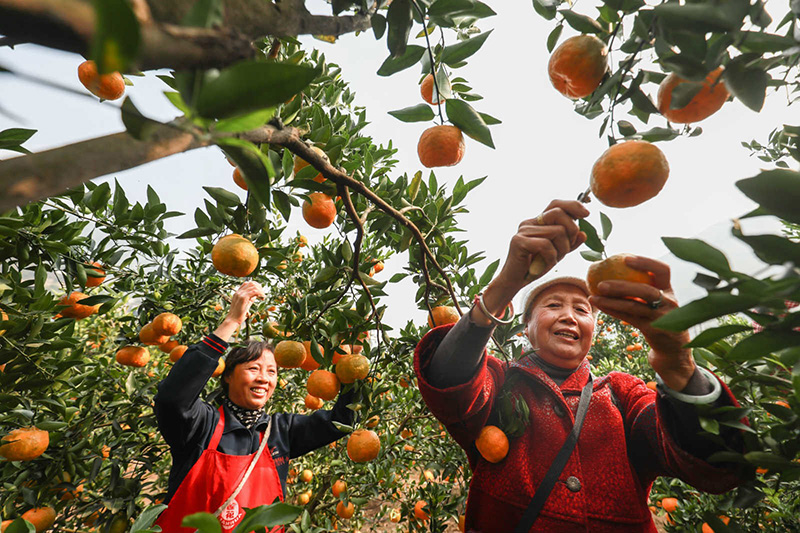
243	299
630	301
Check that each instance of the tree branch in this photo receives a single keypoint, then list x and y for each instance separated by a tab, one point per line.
70	25
33	177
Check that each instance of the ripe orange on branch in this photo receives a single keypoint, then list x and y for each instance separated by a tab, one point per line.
149	336
135	356
419	510
24	444
300	163
177	352
109	86
319	211
309	363
238	179
614	268
42	518
235	256
167	324
312	402
351	368
441	146
669	504
290	354
323	384
426	89
443	314
363	445
578	65
345	511
705	103
94	281
339	486
492	444
629	173
76	310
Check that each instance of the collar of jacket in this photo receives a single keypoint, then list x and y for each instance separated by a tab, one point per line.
233	424
572	385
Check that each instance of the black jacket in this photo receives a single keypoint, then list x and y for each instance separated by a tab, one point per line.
187	423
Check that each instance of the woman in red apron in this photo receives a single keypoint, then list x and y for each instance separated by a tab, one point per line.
235	456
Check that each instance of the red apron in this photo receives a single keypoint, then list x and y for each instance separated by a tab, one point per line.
212	480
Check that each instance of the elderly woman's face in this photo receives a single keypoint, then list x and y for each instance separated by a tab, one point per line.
561	325
251	384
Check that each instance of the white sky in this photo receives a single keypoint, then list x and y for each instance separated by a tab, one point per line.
544	150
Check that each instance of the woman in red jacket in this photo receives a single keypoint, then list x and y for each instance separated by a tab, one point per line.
592	446
236	455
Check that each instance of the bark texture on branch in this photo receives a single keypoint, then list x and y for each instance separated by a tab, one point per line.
33	177
69	25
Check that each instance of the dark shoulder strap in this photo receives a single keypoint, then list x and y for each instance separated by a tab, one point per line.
550	478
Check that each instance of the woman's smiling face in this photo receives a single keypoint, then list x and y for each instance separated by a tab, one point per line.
251	384
561	325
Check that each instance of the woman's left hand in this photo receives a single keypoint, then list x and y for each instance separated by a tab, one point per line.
640	305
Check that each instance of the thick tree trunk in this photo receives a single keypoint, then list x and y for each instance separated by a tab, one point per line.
33	177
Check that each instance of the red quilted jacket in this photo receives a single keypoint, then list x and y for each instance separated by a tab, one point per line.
623	446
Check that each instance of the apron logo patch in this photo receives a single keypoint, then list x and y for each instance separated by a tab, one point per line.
230	516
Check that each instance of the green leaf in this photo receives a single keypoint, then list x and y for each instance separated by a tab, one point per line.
465	118
769	460
762	344
700	253
771	249
115	43
659	134
137	125
413	187
247	122
96	299
545	9
147	518
552	39
489	273
762	43
605	223
20	526
709	424
393	64
459	52
251	86
712	335
582	23
256	167
714	305
683	93
399	20
276	514
777	191
451	13
592	239
224	198
489	119
176	99
748	84
704	17
12	139
378	23
417	113
203	522
197	232
591	255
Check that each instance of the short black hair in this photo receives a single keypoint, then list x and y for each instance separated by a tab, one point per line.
250	351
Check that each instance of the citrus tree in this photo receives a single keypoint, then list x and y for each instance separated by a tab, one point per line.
289	124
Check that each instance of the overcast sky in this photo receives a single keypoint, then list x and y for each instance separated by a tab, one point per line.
544	150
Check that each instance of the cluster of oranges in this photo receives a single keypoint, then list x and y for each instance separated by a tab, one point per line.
159	333
634	171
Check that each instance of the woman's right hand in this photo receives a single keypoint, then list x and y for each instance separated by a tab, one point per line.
550	236
243	299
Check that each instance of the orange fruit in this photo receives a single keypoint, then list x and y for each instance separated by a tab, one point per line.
92	281
290	354
395	515
148	336
76	310
235	256
300	163
406	433
378	267
312	402
629	173
220	368
309	363
109	86
345	511
461	523
783	403
652	385
372	421
578	65
167	324
323	384
238	179
669	504
168	346
24	444
306	475
441	146
319	211
419	510
339	486
492	444
705	103
443	314
3	317
304	498
428	475
133	356
351	368
42	518
709	529
363	445
177	352
426	90
614	268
